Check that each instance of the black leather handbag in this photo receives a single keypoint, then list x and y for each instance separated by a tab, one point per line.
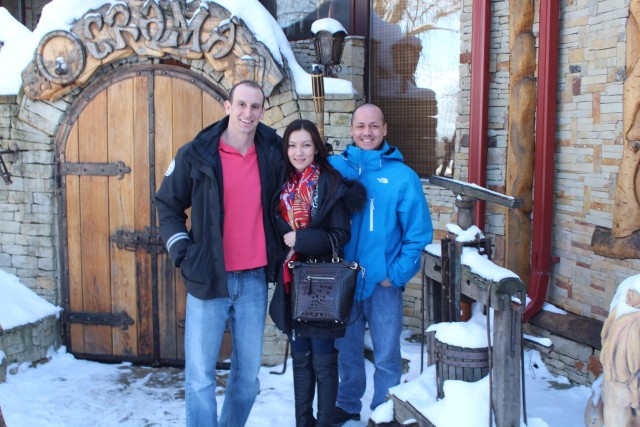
323	291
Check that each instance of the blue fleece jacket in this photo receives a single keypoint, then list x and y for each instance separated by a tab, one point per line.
389	235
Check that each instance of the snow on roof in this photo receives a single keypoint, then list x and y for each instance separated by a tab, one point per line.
20	43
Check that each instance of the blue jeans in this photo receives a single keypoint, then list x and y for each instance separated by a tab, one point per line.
383	311
246	310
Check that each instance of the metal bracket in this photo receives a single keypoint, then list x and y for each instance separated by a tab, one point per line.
6	175
148	240
117	168
121	319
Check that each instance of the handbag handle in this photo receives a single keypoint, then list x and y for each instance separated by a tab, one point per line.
334	247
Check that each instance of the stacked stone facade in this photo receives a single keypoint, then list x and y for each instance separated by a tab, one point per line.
589	144
28	344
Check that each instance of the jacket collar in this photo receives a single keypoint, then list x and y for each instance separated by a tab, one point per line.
371	159
207	141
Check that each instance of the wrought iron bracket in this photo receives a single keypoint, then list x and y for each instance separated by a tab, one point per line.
6	175
147	239
120	319
117	168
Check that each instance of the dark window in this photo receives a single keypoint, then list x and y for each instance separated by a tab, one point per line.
296	17
15	8
414	50
412	68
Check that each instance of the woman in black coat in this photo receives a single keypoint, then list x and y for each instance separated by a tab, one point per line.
315	206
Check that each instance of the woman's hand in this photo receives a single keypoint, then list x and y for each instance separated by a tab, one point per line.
290	239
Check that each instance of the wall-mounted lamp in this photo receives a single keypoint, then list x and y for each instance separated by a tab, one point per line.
328	37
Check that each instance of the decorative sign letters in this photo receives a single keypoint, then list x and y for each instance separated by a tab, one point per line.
149	28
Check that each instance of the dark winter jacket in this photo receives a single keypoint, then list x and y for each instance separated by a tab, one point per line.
336	205
194	180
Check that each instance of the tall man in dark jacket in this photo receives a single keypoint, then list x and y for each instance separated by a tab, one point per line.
227	175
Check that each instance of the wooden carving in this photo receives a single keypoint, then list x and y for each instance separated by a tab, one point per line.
149	28
626	214
520	153
620	357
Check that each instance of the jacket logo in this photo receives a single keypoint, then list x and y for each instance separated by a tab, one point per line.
383	180
170	168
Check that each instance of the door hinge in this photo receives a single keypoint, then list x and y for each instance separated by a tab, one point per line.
121	319
147	239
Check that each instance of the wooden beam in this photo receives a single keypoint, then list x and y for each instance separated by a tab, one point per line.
404	411
605	244
570	326
475	191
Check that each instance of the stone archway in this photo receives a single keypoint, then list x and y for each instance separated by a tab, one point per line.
115	131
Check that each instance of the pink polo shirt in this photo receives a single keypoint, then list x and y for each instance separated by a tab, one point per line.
243	236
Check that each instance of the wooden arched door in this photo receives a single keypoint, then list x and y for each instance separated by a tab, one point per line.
123	298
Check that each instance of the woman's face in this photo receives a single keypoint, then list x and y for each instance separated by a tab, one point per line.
301	150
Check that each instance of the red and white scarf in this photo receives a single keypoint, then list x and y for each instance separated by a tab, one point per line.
296	200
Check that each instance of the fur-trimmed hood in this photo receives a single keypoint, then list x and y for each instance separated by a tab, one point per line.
355	196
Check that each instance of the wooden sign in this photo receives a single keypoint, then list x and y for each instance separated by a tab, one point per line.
65	60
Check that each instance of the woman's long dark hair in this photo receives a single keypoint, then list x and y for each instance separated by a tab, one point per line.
321	158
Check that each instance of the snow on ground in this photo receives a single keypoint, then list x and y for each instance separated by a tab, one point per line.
67	392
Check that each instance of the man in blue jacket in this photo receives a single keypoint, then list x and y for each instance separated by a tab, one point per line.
387	239
227	175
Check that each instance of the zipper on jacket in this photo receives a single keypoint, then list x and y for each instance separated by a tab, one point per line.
371	207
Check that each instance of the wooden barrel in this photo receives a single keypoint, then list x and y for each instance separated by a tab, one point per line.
459	363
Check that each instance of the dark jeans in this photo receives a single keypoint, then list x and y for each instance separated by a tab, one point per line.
315	345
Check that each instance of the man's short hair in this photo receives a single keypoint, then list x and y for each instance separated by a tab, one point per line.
250	83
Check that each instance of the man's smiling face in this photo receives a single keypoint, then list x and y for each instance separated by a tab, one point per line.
368	127
246	109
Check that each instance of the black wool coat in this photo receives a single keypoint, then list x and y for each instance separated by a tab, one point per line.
338	200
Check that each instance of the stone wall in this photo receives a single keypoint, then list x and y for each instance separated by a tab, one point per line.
578	362
28	343
28	216
589	142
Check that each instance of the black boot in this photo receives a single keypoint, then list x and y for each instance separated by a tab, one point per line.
326	369
304	384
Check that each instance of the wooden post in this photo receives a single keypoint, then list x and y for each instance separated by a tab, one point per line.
317	88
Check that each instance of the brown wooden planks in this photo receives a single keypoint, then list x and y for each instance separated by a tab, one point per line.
167	274
212	110
94	224
73	241
142	212
187	116
120	124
